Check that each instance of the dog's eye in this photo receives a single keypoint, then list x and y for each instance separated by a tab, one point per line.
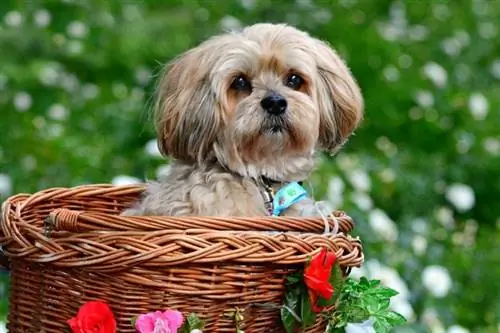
241	83
294	81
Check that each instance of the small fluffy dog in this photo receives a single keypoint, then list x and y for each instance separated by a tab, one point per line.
245	113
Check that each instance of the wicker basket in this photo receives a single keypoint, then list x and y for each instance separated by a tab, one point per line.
67	246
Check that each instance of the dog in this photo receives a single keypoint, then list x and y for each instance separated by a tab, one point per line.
245	114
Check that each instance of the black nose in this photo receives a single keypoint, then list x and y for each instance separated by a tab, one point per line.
274	103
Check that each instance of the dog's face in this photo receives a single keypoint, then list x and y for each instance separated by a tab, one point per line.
261	101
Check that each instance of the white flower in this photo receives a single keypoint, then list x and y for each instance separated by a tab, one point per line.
248	4
436	280
230	23
22	101
478	106
419	244
5	185
13	18
55	130
436	73
143	75
391	73
360	180
42	18
125	180
335	191
457	329
196	331
383	225
90	91
461	196
364	327
57	112
49	74
487	30
387	175
77	29
152	148
358	272
362	200
420	225
3	327
424	98
495	69
69	82
418	32
431	319
451	46
492	146
444	215
403	307
74	47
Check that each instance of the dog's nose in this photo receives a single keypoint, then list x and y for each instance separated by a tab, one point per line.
274	103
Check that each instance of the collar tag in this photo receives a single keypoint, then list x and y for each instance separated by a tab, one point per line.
287	196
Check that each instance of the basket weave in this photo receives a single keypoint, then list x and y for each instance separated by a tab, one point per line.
67	246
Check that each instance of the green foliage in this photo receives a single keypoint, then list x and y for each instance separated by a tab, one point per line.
297	309
360	301
76	82
192	322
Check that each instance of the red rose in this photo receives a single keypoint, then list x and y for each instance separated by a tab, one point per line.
93	317
317	277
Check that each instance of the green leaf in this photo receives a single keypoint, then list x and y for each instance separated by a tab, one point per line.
363	299
291	303
381	325
382	292
133	320
192	322
371	304
337	281
295	277
394	318
383	304
307	314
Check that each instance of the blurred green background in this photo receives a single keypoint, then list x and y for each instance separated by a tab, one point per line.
421	176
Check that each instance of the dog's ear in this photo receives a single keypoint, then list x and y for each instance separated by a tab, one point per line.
339	98
187	117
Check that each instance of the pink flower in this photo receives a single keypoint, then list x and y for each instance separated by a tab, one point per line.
159	322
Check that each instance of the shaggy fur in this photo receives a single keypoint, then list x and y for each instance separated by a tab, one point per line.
222	139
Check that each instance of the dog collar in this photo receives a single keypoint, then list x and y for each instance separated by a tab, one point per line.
287	195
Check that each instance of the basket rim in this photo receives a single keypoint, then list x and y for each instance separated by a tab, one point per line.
82	239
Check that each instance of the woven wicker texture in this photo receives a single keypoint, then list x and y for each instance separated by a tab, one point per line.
68	245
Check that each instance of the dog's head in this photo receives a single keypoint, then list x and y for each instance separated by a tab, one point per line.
261	101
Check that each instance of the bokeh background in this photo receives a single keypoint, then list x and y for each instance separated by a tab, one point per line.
421	176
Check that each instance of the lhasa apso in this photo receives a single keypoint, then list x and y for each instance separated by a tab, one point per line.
244	114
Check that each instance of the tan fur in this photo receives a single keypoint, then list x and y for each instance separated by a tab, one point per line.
222	140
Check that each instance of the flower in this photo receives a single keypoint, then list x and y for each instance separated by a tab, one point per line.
382	225
437	280
364	327
317	275
457	329
461	196
93	317
168	321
